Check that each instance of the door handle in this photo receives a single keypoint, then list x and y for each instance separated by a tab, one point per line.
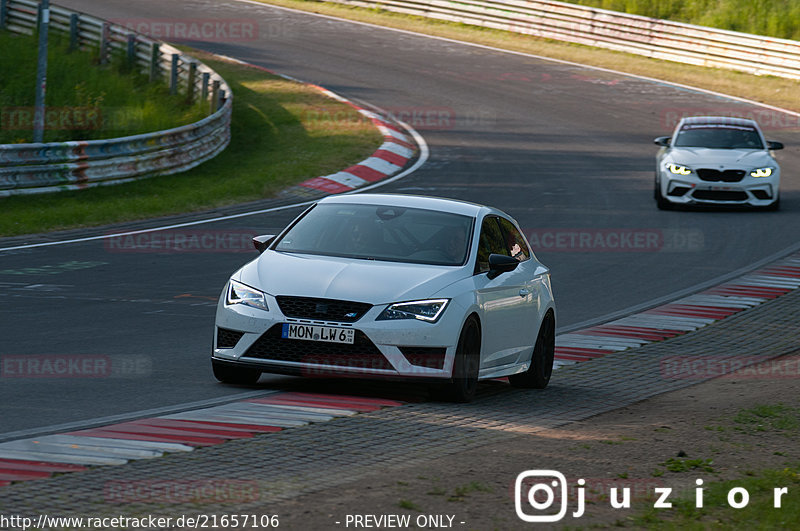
524	292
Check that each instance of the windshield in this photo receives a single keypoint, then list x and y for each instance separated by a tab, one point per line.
373	232
718	136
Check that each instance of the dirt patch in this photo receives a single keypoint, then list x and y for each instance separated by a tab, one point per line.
723	429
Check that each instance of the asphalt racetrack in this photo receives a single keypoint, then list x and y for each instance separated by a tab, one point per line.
566	150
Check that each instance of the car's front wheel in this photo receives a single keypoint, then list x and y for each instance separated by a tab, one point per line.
234	375
466	365
661	202
774	206
538	374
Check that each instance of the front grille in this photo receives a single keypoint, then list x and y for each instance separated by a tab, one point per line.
362	353
322	309
720	195
228	338
726	176
430	357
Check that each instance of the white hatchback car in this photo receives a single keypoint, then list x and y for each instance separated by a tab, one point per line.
391	286
717	160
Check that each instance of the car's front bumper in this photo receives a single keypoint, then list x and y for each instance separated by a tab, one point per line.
409	348
691	190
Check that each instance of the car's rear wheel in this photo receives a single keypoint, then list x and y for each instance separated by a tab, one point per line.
466	365
538	374
234	375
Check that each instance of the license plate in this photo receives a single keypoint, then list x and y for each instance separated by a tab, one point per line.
718	188
328	334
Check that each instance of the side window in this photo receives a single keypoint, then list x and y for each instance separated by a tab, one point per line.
491	242
514	242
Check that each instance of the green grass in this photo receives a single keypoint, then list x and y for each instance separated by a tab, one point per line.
410	505
767	417
85	100
776	18
675	464
716	513
282	133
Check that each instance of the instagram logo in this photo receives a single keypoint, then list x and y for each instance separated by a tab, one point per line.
540	494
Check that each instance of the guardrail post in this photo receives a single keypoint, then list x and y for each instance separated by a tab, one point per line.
221	99
204	86
74	29
191	81
214	95
131	51
3	13
41	72
104	31
155	56
173	74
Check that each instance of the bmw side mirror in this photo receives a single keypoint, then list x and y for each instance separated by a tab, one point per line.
662	141
773	145
262	242
500	263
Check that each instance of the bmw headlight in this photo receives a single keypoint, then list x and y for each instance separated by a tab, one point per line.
678	169
428	310
238	293
761	172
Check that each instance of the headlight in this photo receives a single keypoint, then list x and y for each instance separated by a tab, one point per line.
427	310
238	293
678	169
761	172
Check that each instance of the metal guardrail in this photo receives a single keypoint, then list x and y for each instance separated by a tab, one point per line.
54	166
661	39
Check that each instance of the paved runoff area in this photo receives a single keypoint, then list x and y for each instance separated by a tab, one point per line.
288	444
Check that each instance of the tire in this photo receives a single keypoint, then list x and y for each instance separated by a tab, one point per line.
466	364
774	207
234	375
661	202
538	374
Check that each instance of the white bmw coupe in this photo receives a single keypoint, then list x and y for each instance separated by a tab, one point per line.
716	160
391	286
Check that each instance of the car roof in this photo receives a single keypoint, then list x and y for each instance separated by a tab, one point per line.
412	201
728	120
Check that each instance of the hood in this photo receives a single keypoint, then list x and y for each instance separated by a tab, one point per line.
327	277
727	158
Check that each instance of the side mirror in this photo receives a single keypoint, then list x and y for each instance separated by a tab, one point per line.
662	141
500	263
773	145
262	242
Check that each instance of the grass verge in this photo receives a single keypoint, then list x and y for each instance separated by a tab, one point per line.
776	19
282	132
720	501
761	507
85	101
765	89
